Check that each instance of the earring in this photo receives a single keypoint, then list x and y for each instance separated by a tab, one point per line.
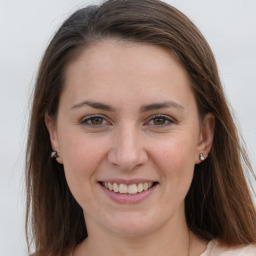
201	157
54	154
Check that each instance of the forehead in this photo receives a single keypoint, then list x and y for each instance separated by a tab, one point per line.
112	68
118	50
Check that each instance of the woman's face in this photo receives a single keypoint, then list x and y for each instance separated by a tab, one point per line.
128	122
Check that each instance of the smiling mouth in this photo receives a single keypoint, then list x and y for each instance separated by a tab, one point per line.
131	189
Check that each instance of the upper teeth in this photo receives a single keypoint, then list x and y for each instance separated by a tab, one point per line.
128	189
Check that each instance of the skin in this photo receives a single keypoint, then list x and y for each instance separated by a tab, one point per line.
129	142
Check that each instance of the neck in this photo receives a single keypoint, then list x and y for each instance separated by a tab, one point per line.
171	239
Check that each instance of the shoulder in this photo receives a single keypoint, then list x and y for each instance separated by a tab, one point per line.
67	253
215	249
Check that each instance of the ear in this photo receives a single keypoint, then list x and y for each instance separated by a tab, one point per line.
205	138
51	127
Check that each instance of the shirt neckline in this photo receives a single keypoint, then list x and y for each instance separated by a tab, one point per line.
209	248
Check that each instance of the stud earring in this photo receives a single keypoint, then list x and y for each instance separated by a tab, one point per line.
201	157
54	154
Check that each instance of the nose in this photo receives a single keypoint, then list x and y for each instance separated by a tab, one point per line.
127	151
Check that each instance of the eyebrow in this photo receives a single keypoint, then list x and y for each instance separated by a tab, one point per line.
93	104
144	108
155	106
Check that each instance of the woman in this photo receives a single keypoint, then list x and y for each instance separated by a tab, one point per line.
132	149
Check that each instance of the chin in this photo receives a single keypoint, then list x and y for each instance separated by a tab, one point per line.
132	226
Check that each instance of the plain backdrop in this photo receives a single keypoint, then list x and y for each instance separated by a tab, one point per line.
25	30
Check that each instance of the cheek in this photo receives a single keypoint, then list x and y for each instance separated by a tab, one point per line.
81	158
175	159
178	150
81	152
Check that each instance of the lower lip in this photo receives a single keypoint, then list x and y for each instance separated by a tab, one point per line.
127	198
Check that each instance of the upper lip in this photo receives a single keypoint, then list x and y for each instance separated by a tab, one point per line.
127	182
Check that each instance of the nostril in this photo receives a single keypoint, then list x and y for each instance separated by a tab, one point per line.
127	156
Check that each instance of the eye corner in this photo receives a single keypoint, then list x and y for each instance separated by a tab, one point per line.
94	121
161	121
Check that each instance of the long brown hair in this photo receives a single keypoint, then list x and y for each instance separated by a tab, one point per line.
218	204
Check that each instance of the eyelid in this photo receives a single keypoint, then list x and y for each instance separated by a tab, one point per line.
166	117
89	117
106	121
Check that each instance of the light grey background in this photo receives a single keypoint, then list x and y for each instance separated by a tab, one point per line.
25	29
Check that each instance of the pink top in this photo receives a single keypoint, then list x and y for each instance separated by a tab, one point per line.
214	249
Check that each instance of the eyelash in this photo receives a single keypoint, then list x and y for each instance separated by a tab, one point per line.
162	117
89	119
